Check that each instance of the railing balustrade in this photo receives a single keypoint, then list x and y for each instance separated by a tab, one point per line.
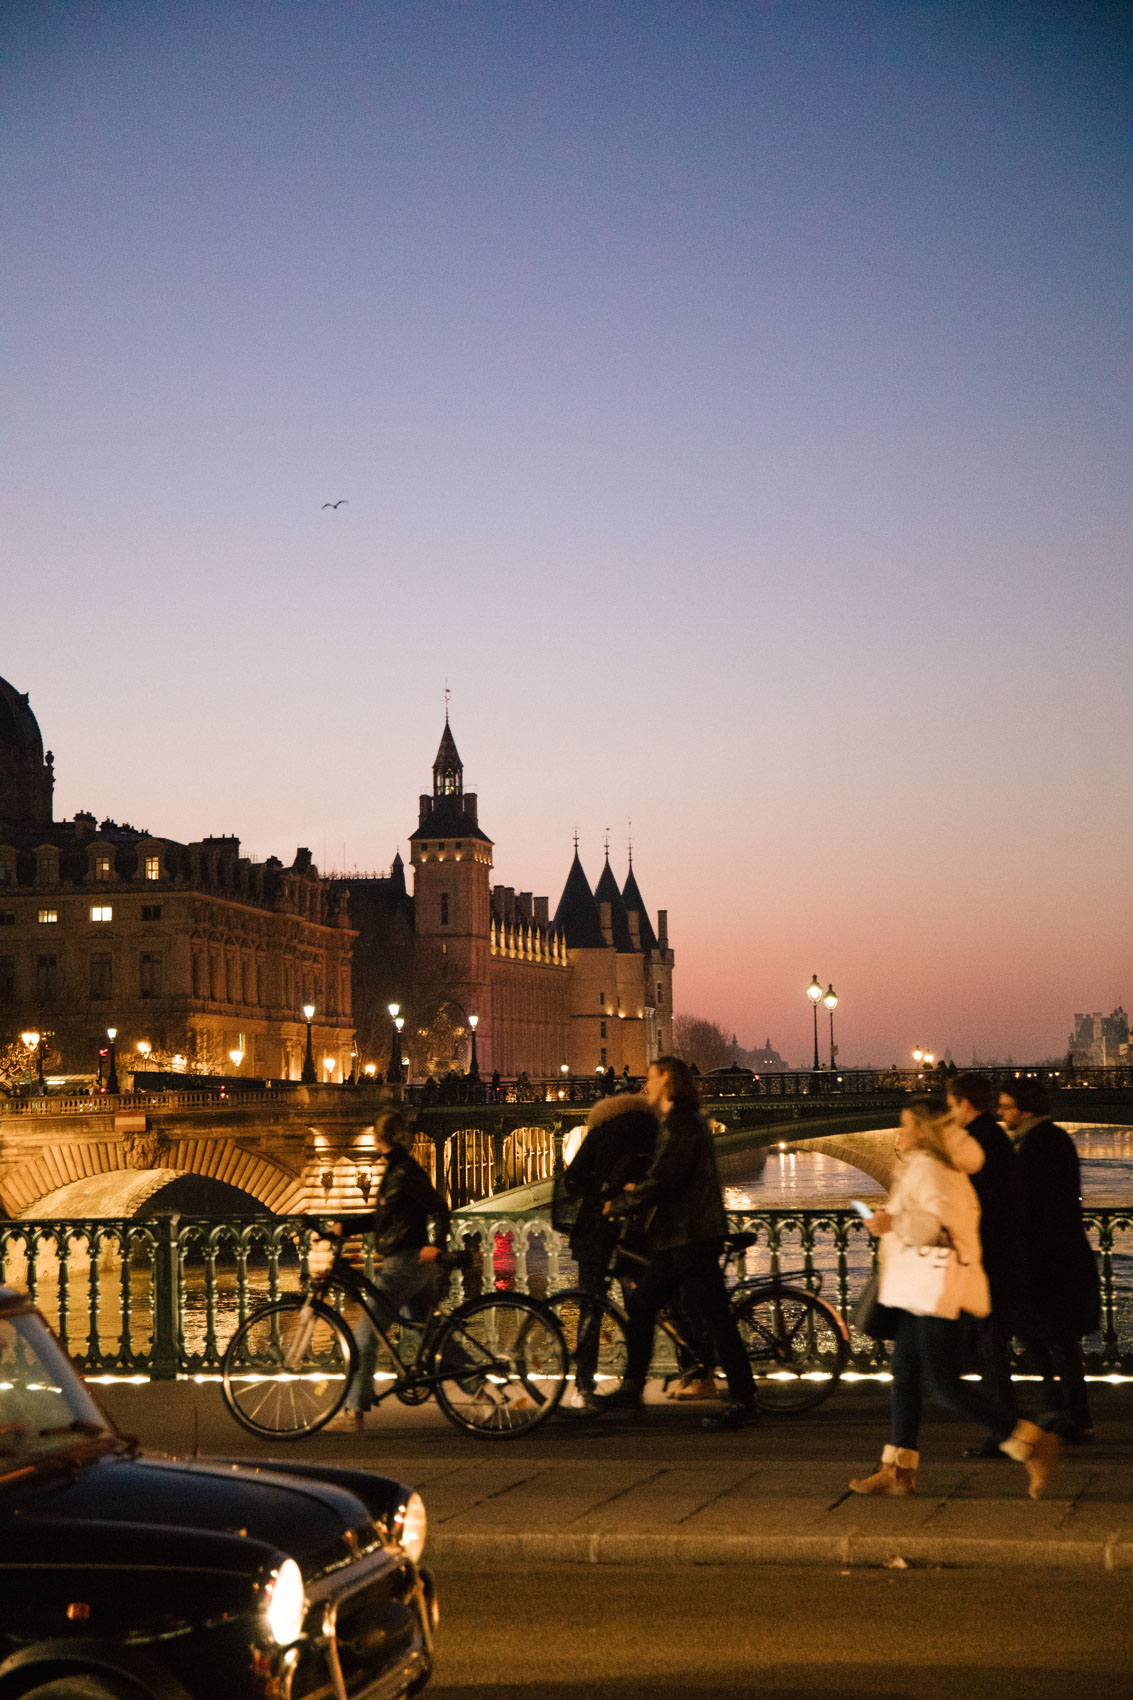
161	1297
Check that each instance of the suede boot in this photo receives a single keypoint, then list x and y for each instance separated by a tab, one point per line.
1037	1450
897	1476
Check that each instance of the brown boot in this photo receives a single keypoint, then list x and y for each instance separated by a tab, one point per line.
897	1476
1037	1449
694	1387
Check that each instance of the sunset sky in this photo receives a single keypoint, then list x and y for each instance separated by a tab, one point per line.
733	407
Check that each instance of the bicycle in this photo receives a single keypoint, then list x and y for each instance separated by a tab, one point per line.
797	1343
497	1364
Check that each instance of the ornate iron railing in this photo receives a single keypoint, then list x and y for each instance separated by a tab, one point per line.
161	1297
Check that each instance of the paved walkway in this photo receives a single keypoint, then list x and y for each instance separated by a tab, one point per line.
657	1491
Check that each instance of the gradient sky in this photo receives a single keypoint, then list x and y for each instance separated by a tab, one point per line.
733	403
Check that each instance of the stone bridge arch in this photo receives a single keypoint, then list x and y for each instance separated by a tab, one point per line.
115	1165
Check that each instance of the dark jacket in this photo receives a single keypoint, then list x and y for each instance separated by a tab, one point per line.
618	1148
1062	1300
682	1184
1001	1243
405	1201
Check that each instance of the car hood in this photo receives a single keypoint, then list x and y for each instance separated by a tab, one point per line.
318	1523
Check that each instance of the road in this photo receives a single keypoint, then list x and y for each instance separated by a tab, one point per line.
806	1634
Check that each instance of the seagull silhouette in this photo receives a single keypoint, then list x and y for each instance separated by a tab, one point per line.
338	504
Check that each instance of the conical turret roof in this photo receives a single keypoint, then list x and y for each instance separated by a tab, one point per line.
577	916
606	891
634	902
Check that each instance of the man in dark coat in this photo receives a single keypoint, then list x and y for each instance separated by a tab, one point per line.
1061	1298
971	1097
682	1187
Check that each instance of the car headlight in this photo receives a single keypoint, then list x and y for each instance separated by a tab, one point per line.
409	1526
285	1604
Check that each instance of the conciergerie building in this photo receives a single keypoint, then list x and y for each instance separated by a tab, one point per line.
192	949
590	986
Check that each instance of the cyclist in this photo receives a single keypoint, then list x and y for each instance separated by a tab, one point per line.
410	1224
687	1232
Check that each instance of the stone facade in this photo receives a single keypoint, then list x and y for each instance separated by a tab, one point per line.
191	949
590	987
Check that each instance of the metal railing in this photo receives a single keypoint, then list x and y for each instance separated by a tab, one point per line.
479	1092
161	1297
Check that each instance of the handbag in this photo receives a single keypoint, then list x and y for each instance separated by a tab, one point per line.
928	1277
870	1316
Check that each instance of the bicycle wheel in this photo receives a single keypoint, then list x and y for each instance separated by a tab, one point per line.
796	1350
595	1334
287	1369
503	1365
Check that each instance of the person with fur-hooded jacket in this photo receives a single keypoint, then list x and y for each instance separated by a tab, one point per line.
621	1133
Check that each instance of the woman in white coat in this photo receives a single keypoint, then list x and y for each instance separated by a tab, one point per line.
929	1260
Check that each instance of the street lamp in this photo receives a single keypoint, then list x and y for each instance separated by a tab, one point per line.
370	1070
398	1024
308	1076
474	1068
237	1057
394	1044
917	1055
831	1002
328	1064
112	1063
814	993
143	1048
31	1040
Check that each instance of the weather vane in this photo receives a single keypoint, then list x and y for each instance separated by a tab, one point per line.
629	840
448	694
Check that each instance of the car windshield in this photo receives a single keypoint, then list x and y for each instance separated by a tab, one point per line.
44	1406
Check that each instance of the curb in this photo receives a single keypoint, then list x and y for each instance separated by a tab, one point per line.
471	1549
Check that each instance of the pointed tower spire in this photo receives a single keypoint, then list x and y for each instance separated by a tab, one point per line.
577	916
448	769
635	904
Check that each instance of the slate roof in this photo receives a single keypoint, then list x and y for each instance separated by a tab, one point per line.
577	916
447	819
633	900
606	891
448	757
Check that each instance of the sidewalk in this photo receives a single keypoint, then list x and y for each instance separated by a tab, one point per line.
657	1491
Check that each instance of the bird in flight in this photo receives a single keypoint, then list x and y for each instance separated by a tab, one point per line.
342	500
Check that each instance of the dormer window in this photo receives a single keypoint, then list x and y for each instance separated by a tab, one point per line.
103	866
153	867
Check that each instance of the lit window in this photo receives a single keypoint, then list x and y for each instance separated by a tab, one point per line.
48	915
153	867
102	868
99	912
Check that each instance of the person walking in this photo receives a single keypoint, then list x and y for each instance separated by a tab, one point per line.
410	1224
682	1187
971	1098
1061	1300
618	1147
933	1205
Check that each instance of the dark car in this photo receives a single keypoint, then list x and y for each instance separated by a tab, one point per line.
125	1577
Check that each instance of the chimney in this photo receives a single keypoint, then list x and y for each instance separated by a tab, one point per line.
469	801
426	811
541	910
523	904
663	928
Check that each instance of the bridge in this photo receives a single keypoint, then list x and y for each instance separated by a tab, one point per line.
288	1148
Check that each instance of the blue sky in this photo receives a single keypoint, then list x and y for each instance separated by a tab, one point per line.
732	404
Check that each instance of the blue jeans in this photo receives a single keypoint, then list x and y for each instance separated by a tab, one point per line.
927	1361
401	1278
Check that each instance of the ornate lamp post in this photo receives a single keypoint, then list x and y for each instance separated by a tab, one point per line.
32	1041
328	1064
918	1055
143	1048
308	1076
399	1023
474	1066
831	1002
395	1044
369	1071
236	1057
814	993
112	1063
